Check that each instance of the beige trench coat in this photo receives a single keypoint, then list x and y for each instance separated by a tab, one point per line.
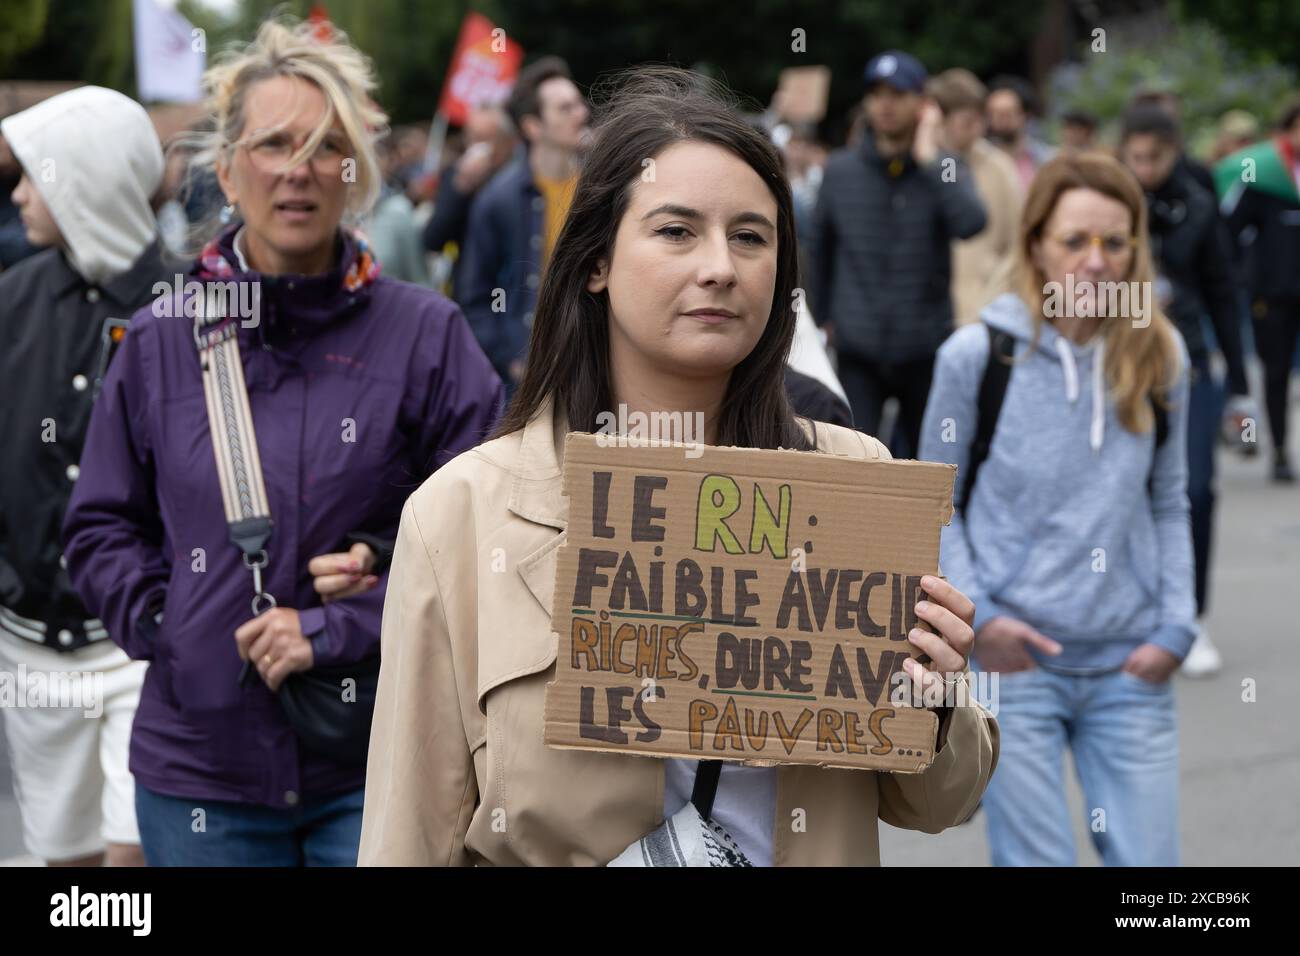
980	264
458	773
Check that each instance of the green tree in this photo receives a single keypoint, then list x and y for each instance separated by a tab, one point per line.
24	22
90	42
410	43
1262	29
1209	75
749	44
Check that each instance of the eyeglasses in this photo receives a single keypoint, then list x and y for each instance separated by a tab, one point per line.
1115	245
271	152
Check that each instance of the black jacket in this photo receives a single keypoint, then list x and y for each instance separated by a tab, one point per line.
1267	228
811	399
14	247
1198	171
879	250
54	345
1193	252
450	214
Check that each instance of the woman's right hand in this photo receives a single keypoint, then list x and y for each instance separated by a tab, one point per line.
1002	645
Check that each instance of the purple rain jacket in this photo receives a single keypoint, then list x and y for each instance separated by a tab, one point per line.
391	366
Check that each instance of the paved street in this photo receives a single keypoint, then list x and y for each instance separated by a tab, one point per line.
11	834
1240	761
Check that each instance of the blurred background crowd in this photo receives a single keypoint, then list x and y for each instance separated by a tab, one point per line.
489	122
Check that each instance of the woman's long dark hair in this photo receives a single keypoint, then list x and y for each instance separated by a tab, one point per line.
646	110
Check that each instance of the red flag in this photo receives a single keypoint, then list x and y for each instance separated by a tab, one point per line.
319	18
483	69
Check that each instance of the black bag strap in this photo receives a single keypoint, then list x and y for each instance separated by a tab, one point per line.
1162	422
1162	432
993	388
707	774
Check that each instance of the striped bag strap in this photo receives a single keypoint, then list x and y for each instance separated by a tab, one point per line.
234	448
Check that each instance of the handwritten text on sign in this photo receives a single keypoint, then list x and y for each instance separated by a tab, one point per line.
743	604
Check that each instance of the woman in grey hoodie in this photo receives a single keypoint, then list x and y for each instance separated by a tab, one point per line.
1074	540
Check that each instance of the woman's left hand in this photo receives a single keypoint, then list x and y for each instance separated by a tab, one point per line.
951	613
343	574
274	642
1151	663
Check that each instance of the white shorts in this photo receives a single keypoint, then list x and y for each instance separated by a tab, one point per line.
68	722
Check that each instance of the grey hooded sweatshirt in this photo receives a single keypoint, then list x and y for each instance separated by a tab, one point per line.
1061	531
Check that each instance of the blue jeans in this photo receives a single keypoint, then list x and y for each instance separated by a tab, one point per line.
1124	737
318	832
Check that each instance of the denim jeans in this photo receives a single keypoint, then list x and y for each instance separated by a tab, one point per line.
324	831
1123	734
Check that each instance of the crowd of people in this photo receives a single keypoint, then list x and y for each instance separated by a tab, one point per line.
298	453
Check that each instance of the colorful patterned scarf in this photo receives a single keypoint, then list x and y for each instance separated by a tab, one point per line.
212	262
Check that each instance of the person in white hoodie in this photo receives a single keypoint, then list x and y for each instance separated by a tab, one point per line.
1071	531
91	162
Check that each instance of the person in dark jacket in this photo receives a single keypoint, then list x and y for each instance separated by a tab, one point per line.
490	143
91	160
515	219
1196	285
811	399
1259	193
1163	96
358	387
881	268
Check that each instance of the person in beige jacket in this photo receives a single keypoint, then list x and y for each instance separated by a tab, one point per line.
979	264
667	291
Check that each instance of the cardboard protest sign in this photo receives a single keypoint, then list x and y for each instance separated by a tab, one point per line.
741	604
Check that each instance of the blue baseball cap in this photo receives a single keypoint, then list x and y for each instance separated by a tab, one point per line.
900	70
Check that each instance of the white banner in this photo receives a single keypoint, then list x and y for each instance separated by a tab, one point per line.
170	55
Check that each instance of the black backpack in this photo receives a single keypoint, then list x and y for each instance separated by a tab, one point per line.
993	389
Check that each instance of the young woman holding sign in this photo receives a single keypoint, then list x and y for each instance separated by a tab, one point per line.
670	289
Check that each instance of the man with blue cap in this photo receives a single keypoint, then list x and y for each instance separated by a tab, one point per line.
888	209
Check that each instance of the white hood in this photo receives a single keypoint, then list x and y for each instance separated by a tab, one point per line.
94	155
